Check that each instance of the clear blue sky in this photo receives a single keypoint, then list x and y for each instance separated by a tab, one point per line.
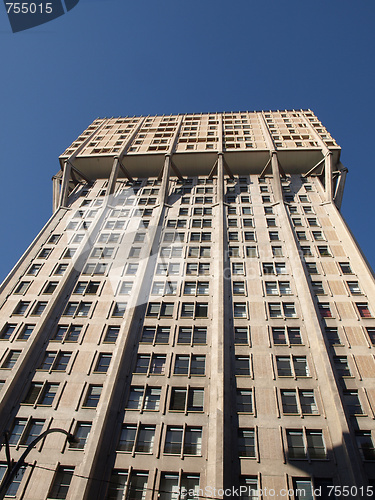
116	57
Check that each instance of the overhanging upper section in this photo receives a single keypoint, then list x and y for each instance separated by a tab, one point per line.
246	139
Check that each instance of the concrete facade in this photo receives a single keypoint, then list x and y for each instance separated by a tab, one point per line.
196	311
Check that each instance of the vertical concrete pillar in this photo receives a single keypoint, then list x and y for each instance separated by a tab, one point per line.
113	177
340	187
276	184
163	194
65	184
55	193
215	449
328	169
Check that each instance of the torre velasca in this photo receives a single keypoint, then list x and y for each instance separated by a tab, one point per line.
197	313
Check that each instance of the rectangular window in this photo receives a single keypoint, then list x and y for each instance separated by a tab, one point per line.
242	366
7	331
365	445
306	444
325	310
342	366
244	401
246	443
352	402
324	251
363	310
11	359
345	268
82	432
297	402
92	396
61	482
103	363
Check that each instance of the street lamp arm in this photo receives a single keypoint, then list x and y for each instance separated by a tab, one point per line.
12	471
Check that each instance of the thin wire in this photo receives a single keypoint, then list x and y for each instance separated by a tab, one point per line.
111	482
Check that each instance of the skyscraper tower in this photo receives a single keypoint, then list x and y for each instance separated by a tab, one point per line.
197	313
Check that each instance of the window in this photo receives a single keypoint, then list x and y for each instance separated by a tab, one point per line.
61	482
311	268
242	366
363	310
22	287
325	310
303	489
244	401
34	269
15	484
153	335
182	399
148	400
119	309
7	331
171	483
345	268
306	444
157	309
246	443
251	252
365	445
11	359
306	251
39	308
55	361
238	288
132	269
286	336
371	334
21	308
190	365
312	221
324	251
87	287
301	235
283	309
298	402
196	288
67	333
147	364
241	335
332	336
354	287
33	429
237	268
274	235
190	336
60	269
133	439
54	238
92	396
103	363
352	402
318	235
194	310
77	309
295	366
249	484
277	251
297	222
44	254
82	432
342	366
188	441
318	287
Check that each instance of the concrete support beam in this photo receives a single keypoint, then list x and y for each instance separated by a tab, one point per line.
328	171
339	193
65	184
113	177
164	188
276	183
216	446
56	180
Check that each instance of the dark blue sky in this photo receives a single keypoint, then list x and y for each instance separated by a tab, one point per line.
115	57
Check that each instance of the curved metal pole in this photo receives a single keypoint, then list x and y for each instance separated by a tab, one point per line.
12	471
